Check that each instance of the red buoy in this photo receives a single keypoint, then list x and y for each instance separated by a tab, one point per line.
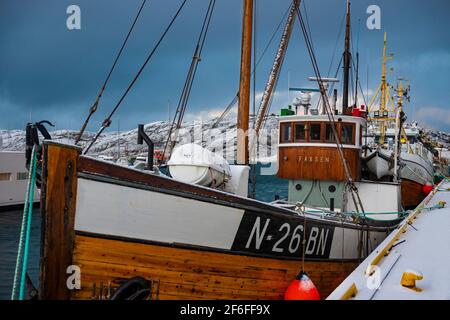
302	288
427	188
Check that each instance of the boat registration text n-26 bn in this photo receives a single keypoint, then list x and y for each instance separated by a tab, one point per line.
282	237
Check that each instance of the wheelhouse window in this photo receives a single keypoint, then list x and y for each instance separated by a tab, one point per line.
329	135
314	131
5	176
286	132
300	132
22	175
347	133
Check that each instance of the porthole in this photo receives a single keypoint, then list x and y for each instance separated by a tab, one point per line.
298	186
332	188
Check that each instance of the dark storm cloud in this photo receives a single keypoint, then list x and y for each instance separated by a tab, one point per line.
55	73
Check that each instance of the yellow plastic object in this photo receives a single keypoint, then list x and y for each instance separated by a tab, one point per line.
409	278
351	292
385	251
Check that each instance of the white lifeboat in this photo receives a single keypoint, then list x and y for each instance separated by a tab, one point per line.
191	163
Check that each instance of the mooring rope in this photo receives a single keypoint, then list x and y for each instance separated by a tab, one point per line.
366	215
25	231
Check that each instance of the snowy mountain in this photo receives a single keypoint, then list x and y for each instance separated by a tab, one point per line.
125	143
221	138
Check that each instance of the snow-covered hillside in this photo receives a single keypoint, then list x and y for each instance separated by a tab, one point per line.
222	137
113	143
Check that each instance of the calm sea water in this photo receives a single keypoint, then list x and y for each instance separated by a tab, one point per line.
10	221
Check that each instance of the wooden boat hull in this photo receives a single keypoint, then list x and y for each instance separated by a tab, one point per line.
412	166
182	273
412	194
115	223
414	172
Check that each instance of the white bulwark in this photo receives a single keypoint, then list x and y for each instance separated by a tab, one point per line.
413	262
114	210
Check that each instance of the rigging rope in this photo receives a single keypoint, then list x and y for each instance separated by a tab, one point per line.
360	88
236	97
93	108
350	184
300	208
253	150
307	22
271	84
331	87
341	28
107	121
184	98
24	239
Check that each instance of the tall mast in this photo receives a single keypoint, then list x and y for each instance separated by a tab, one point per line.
383	78
357	79
244	84
398	129
347	59
383	97
400	92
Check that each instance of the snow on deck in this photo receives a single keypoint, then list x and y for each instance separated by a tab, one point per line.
420	246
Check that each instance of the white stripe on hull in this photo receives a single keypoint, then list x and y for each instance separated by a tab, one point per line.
350	239
110	209
122	211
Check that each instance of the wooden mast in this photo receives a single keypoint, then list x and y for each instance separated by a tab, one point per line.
383	97
383	93
244	84
347	60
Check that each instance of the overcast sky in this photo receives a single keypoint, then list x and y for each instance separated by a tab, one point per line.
50	72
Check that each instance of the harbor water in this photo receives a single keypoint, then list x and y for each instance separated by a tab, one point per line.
10	221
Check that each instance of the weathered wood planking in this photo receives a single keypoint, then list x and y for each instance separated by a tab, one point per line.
412	194
317	163
194	274
58	199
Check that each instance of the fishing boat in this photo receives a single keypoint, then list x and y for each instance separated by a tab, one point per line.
415	168
396	151
13	180
197	234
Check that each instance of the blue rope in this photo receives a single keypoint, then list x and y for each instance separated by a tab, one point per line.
25	230
439	205
401	215
440	175
352	213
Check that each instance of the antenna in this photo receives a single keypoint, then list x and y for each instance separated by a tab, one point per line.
305	94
